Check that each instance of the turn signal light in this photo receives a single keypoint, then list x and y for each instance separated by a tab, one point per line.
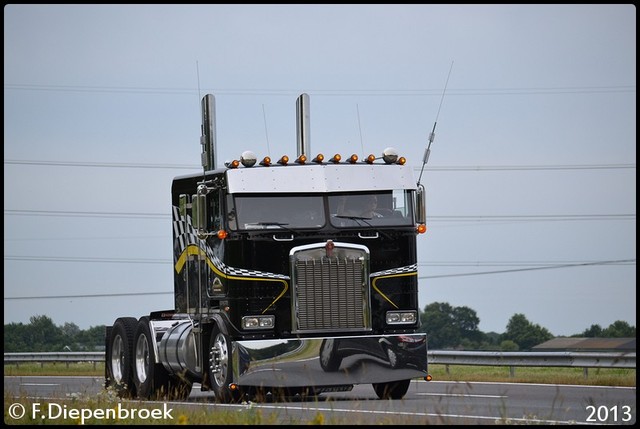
222	234
422	228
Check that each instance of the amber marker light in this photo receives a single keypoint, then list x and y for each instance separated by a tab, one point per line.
353	159
336	158
222	234
284	160
233	164
370	159
301	159
402	160
422	228
266	161
428	377
318	159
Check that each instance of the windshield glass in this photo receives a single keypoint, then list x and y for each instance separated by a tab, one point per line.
371	208
276	212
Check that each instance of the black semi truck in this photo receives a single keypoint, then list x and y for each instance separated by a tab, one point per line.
295	276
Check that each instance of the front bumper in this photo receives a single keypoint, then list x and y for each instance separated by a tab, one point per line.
329	361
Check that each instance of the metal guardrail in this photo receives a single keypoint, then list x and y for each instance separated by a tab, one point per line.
555	359
442	357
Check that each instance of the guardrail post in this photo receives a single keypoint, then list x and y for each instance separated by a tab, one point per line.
585	371
512	371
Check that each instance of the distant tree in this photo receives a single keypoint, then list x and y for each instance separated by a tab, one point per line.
524	333
92	339
43	335
619	329
508	346
593	331
450	327
15	338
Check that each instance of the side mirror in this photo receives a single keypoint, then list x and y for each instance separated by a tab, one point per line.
199	210
421	205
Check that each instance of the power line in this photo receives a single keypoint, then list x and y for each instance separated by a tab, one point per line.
100	295
87	259
99	164
327	92
68	213
530	167
582	264
103	295
511	263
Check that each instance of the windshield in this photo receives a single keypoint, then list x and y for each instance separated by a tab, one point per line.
347	210
371	208
276	212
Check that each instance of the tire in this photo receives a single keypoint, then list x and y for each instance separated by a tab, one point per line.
151	379
119	359
220	367
392	390
330	360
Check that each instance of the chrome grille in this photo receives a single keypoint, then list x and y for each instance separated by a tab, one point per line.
330	292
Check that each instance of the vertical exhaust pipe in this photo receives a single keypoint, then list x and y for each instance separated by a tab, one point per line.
302	125
208	137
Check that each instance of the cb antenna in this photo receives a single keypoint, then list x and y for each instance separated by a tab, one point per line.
432	135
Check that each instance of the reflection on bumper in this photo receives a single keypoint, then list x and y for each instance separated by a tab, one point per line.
331	361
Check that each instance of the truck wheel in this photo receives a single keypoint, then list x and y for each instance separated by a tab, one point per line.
330	360
119	359
151	379
392	390
220	367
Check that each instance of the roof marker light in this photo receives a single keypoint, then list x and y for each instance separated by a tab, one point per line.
284	160
232	164
353	159
301	159
248	158
336	158
390	155
370	159
266	161
401	161
318	159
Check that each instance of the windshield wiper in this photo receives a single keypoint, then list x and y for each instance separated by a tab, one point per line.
278	224
354	217
364	220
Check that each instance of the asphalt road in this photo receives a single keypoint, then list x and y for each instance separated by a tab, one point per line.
435	402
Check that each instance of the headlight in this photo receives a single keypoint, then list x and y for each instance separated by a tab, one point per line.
258	322
401	317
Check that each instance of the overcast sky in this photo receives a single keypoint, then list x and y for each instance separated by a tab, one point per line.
531	183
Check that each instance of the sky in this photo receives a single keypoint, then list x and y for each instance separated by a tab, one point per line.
530	185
